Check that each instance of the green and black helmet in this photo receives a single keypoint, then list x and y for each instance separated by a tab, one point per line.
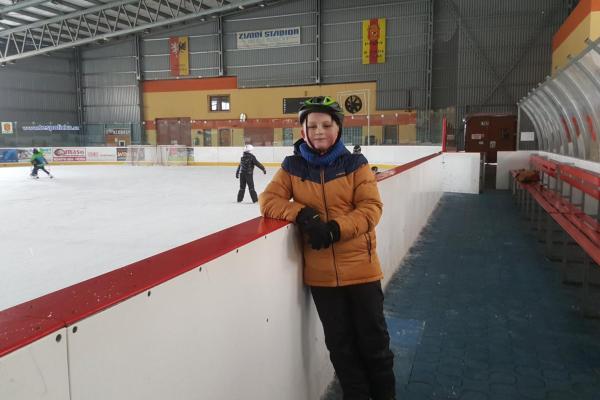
323	104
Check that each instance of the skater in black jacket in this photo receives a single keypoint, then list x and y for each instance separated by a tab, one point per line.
244	173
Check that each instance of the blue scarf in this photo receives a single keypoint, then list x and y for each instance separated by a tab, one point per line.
322	160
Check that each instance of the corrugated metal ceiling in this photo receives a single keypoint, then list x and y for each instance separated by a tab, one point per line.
32	27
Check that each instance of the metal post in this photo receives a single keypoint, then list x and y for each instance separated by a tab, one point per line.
518	127
221	53
79	88
564	262
586	284
429	70
318	40
444	134
139	74
368	117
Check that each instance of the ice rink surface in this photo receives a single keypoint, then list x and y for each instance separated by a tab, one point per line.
93	219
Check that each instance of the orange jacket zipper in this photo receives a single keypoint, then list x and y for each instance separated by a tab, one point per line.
337	278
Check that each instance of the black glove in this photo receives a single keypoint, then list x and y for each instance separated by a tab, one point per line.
307	218
322	235
237	176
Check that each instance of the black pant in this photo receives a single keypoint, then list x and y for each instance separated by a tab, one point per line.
247	179
38	167
357	339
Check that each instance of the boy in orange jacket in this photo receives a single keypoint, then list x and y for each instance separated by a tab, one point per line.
337	206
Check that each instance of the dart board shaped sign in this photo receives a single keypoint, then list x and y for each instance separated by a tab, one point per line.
353	104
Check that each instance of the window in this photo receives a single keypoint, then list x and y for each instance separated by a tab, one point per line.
352	135
218	103
390	134
288	136
207	138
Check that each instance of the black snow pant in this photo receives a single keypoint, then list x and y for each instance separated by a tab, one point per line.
247	179
357	339
36	168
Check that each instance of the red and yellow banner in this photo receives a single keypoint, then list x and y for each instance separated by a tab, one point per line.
373	37
179	55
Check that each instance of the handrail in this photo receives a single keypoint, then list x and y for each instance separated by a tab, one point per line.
25	323
547	166
404	167
582	179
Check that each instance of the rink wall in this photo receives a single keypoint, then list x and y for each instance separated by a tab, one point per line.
223	317
384	156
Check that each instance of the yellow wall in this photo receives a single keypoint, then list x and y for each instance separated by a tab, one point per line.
259	103
407	134
255	102
575	42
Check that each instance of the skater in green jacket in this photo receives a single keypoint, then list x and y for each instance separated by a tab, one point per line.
39	161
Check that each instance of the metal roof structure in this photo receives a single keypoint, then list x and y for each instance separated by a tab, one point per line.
564	108
33	27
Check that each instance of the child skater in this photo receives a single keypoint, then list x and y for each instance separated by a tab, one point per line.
245	173
39	161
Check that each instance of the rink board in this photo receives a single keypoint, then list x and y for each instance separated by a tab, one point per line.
163	326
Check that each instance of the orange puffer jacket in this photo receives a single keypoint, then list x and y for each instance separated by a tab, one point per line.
345	191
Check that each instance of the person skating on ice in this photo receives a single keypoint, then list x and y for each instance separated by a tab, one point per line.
39	161
245	173
336	205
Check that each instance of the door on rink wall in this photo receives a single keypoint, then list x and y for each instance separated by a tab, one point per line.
490	133
259	136
171	131
224	137
390	134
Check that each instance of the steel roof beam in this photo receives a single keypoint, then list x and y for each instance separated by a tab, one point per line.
14	50
24	22
79	8
477	47
21	5
98	3
38	16
537	35
72	15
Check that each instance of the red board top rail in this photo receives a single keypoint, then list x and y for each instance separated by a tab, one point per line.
28	322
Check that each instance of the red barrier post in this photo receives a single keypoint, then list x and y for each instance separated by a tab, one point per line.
444	135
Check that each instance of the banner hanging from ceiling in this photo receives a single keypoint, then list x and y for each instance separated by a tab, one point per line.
373	37
179	56
268	38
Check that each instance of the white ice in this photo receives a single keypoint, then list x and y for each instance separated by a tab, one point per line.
90	220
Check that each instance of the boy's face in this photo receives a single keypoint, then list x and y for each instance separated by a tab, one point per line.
322	131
